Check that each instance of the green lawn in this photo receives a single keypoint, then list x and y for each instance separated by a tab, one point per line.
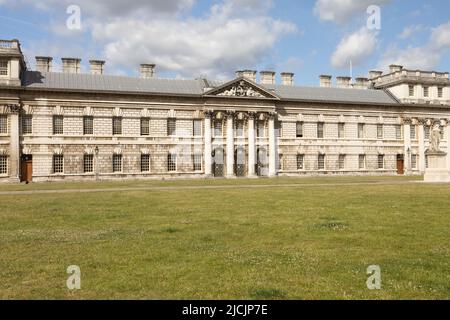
305	242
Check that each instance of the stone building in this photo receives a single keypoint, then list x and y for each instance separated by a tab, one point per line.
73	125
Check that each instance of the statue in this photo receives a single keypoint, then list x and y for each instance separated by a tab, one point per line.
435	138
241	90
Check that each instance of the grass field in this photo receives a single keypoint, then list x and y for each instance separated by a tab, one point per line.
309	238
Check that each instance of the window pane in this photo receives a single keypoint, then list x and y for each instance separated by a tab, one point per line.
218	128
413	132
117	163
58	125
88	163
27	124
380	162
145	163
197	128
172	162
320	126
171	127
145	126
341	161
88	125
239	128
3	165
3	124
197	161
58	164
341	130
299	130
360	130
117	125
398	132
362	161
3	68
300	161
321	162
380	131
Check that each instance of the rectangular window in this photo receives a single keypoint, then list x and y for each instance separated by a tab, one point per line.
299	129
88	125
411	91
427	132
261	129
341	130
145	163
58	124
413	132
3	165
426	92
426	162
117	163
300	162
117	125
414	161
440	92
380	131
197	162
280	162
197	128
380	161
3	124
58	163
27	124
171	127
360	130
218	128
88	163
3	67
145	126
320	126
239	128
398	132
321	162
362	161
171	162
341	161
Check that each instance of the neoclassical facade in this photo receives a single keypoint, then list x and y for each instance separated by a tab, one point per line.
67	124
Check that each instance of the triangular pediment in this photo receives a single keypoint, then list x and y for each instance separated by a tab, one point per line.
242	88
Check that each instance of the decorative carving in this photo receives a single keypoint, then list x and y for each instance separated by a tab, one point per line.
13	108
117	112
88	111
58	151
435	138
407	121
251	115
242	89
197	114
172	114
145	113
145	151
209	113
300	117
58	111
118	151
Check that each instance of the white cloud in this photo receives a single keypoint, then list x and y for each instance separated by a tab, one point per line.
340	11
411	31
425	57
355	47
226	39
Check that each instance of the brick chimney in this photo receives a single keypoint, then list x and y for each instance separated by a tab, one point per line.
96	66
70	65
395	68
147	70
267	77
250	74
375	74
343	82
325	81
44	64
287	78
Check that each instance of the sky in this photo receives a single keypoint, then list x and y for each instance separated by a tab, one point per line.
200	38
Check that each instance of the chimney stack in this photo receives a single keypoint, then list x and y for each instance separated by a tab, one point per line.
395	68
375	74
71	65
147	70
287	78
239	74
267	77
250	74
44	64
325	81
96	66
343	82
362	83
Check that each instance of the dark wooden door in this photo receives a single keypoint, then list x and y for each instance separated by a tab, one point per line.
400	164
26	168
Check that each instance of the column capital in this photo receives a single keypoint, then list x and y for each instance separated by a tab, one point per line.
208	113
407	121
230	113
272	115
251	115
12	108
421	121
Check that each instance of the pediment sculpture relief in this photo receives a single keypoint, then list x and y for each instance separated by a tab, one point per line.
241	89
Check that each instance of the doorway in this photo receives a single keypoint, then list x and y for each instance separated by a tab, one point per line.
26	168
400	164
218	162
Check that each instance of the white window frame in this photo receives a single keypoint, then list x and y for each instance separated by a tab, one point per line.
58	164
117	160
4	68
88	125
117	126
172	162
171	127
88	163
145	165
4	165
3	124
145	126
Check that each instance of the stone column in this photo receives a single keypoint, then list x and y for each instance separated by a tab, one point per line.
421	138
230	144
251	145
208	147
407	144
14	152
272	147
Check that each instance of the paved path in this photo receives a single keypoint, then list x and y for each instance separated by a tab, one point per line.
243	186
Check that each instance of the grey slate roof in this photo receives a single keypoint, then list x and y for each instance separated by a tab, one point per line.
332	94
88	82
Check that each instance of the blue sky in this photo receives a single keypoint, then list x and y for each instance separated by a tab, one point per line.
192	38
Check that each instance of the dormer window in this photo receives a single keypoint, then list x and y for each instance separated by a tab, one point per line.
3	67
